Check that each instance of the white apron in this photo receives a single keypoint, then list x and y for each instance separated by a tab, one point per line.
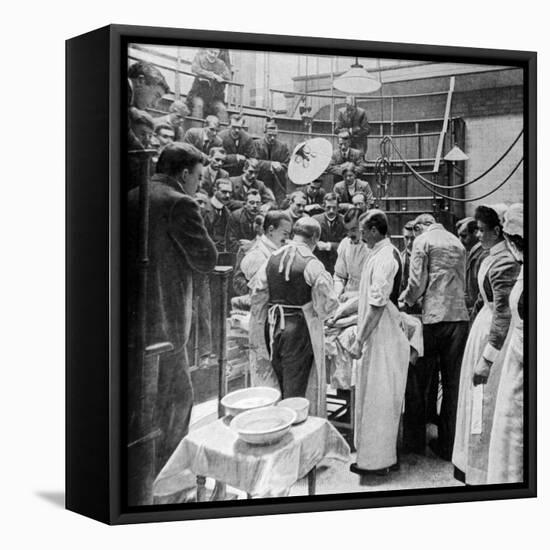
262	373
476	403
506	444
381	379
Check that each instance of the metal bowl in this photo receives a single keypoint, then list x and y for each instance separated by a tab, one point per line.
250	398
263	426
300	405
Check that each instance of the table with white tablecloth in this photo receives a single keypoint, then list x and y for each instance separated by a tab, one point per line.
215	451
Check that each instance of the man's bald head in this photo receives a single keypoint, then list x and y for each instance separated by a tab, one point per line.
308	229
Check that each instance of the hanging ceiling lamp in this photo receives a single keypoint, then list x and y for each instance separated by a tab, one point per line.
456	154
357	81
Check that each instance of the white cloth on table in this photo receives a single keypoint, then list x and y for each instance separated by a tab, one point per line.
383	367
261	470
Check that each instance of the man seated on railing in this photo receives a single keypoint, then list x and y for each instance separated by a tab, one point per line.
238	145
213	171
350	185
343	154
273	156
208	89
354	120
246	182
206	137
175	118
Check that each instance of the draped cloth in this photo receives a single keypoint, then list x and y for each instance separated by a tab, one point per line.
382	372
506	443
261	470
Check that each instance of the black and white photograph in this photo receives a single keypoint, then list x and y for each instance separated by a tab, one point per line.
274	275
325	274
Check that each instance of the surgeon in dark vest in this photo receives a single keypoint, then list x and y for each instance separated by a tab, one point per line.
293	274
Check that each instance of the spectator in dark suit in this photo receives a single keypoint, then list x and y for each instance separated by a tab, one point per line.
360	200
344	154
332	232
164	134
206	137
296	208
141	127
175	118
353	119
242	221
217	215
238	145
179	247
247	181
351	185
315	196
273	156
213	171
408	240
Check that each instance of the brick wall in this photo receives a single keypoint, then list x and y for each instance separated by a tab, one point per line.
486	139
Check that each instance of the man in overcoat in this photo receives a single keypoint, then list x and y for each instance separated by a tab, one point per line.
178	247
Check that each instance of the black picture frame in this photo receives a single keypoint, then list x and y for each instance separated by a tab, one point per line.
95	114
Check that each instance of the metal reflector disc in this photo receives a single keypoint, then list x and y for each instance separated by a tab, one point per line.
309	160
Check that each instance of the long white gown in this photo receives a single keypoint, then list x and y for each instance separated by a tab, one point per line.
382	371
506	445
476	404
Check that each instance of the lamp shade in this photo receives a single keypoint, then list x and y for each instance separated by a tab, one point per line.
357	81
456	154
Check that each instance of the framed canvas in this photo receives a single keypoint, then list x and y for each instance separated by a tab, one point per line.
295	274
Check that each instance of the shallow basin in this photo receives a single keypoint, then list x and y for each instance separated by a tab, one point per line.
250	398
300	405
263	426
